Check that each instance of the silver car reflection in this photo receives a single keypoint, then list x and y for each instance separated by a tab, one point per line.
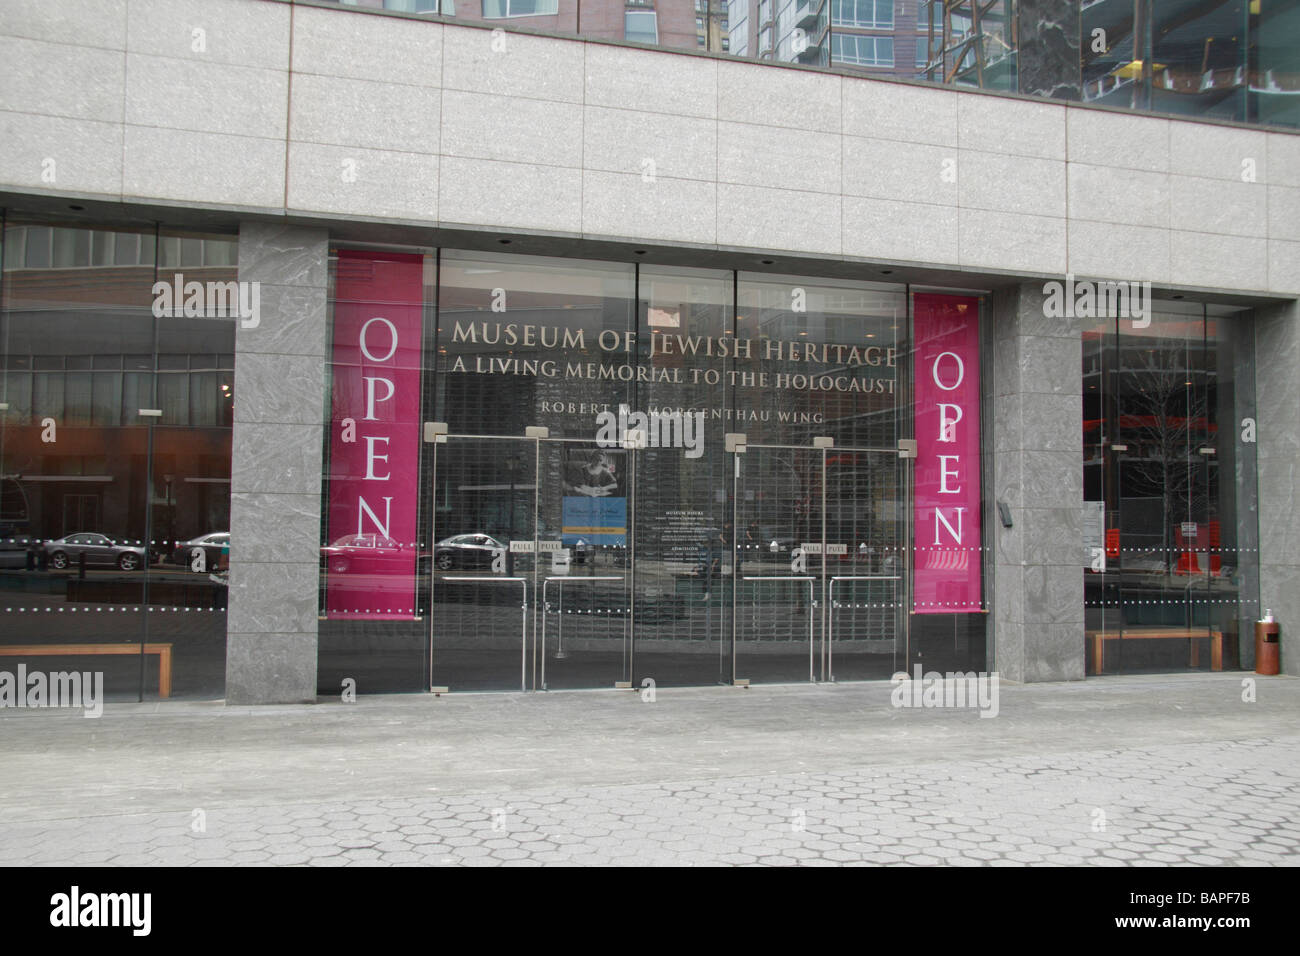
98	549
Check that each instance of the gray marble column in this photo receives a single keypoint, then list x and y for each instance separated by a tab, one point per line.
1277	400
1037	437
276	469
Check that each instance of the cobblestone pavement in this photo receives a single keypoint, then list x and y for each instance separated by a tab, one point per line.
1222	804
1177	788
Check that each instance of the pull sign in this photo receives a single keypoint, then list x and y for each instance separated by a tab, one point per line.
812	548
837	549
521	547
550	547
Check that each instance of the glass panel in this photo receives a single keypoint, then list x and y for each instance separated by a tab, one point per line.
583	589
641	27
823	361
1178	584
1233	59
1275	68
497	9
1232	568
74	530
485	491
683	623
778	511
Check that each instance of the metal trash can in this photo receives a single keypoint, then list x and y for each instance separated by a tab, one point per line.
1267	647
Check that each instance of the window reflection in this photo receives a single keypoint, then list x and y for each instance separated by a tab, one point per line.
1169	501
82	354
1228	59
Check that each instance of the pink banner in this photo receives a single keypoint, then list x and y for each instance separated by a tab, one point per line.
371	558
946	504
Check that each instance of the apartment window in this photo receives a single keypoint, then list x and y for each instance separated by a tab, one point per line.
641	26
926	14
765	40
501	9
862	51
872	14
764	11
420	6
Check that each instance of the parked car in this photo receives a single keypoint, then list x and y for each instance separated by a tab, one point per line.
98	549
212	545
369	554
466	551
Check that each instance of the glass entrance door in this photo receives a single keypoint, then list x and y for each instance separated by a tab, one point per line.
483	560
530	563
819	565
584	565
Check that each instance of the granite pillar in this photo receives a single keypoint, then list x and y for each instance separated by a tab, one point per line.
275	496
1037	439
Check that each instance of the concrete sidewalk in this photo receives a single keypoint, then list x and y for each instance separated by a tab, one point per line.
1164	769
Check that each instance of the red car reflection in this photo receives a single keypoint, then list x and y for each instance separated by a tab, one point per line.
371	554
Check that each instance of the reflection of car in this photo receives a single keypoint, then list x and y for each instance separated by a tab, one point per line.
14	549
212	545
97	549
368	554
15	544
466	551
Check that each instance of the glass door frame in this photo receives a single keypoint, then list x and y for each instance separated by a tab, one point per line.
534	601
821	594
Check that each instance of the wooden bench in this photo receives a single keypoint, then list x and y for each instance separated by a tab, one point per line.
164	652
1097	639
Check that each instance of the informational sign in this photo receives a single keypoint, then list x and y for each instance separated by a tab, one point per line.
946	504
594	511
374	436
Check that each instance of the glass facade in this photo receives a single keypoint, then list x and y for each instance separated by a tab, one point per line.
546	473
1170	512
1235	60
582	516
115	449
